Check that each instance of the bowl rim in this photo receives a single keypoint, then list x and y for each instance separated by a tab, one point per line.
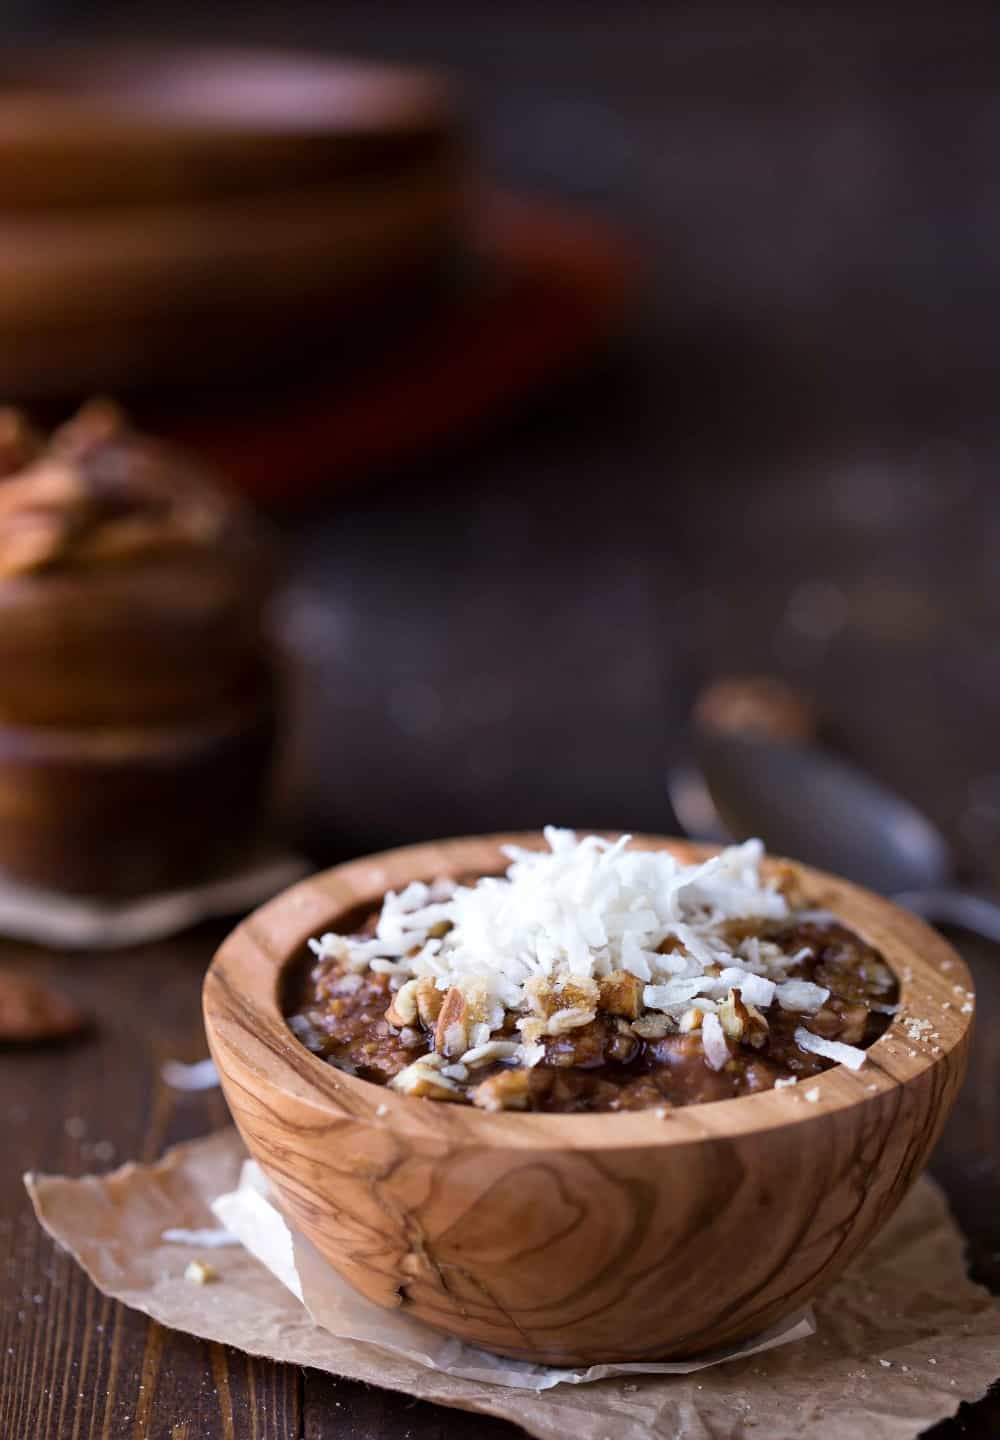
251	1042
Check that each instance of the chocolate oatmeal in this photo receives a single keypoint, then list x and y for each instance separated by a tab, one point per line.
594	978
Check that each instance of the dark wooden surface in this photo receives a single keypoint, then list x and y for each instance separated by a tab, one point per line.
788	460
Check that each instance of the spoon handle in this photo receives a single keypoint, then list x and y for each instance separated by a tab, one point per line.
973	910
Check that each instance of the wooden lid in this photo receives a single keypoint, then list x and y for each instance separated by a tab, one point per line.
116	125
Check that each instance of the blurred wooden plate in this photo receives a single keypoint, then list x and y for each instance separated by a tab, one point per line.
128	125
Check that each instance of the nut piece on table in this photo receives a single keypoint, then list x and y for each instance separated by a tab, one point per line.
508	1090
33	1011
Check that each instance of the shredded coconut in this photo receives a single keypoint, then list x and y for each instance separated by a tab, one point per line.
576	913
208	1239
539	941
202	1075
801	995
713	1038
834	1050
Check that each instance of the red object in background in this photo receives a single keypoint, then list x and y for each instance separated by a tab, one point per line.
554	288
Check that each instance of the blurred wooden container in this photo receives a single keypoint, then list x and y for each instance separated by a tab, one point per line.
159	644
182	217
136	690
133	811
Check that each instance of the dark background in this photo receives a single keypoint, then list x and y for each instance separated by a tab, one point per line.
785	460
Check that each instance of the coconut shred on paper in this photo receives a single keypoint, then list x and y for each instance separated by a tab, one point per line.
901	1339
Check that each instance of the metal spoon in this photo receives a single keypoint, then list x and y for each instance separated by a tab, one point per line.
807	802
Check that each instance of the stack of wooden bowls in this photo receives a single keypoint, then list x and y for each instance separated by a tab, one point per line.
135	692
185	217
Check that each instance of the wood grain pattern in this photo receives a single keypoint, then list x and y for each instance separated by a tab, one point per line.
574	1239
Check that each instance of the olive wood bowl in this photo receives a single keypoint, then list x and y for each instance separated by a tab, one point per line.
574	1239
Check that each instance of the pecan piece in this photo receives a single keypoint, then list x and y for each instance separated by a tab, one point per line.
653	1027
621	994
508	1090
741	1021
403	1010
429	1001
423	1080
566	992
451	1033
31	1010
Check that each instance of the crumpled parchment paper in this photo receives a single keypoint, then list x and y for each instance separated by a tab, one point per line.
250	1214
901	1339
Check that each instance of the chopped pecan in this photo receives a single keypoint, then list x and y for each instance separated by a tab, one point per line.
30	1010
423	1080
532	1028
403	1010
846	1023
788	881
621	994
507	1090
741	1021
570	1019
669	945
566	992
451	1033
429	1001
652	1027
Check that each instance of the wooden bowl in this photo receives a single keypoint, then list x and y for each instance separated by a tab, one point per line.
217	289
124	812
575	1239
179	216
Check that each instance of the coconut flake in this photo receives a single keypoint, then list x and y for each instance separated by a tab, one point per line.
754	989
801	995
583	908
492	1050
202	1075
834	1050
208	1239
713	1039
